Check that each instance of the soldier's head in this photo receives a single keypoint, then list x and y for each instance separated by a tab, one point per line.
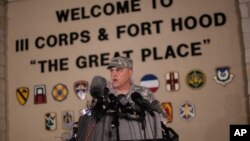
121	70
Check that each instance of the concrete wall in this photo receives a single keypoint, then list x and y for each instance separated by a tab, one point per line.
2	72
244	6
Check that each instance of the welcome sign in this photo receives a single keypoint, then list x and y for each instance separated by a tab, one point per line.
157	26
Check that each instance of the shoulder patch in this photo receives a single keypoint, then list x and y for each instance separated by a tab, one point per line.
40	94
223	76
150	81
172	81
60	92
81	88
196	79
50	121
167	107
68	119
22	94
187	111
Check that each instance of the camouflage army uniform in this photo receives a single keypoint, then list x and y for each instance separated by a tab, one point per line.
145	93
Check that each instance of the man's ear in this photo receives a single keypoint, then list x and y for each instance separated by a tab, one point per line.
131	72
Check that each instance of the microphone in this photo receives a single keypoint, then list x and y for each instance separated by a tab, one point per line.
97	87
148	108
98	91
157	107
137	98
143	103
112	98
124	104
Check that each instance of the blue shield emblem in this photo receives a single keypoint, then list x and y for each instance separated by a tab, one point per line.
223	76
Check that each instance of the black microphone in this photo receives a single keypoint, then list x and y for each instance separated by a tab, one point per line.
143	103
157	107
124	104
137	98
112	98
97	91
97	87
149	107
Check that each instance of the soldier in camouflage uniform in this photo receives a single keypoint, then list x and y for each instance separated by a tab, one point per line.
121	69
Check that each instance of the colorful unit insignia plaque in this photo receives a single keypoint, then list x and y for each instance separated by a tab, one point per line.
81	88
50	121
172	81
68	119
150	81
223	76
196	79
40	94
167	107
187	111
60	92
22	94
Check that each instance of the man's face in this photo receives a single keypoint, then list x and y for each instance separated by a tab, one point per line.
120	77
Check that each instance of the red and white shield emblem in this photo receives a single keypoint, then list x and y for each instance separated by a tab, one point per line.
172	81
40	94
81	88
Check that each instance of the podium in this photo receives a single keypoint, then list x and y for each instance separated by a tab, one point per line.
129	129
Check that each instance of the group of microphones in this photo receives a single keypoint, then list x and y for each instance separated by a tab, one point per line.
129	107
105	102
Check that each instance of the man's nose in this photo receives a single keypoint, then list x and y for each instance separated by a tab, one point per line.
113	73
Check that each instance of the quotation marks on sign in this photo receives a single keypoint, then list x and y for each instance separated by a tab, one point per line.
51	65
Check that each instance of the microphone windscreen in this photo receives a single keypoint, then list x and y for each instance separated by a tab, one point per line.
122	100
138	99
112	97
97	86
135	96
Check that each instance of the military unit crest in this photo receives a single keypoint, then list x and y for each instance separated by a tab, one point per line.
50	121
172	81
196	79
81	88
22	94
168	109
223	76
67	119
40	94
150	81
60	92
187	111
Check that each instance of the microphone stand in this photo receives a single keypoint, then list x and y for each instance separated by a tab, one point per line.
115	121
113	105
